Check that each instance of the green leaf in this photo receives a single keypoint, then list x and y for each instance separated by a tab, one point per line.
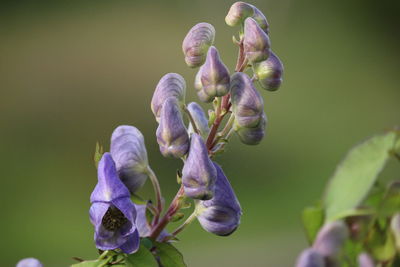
145	241
381	243
138	200
94	263
313	218
141	258
390	204
356	174
169	255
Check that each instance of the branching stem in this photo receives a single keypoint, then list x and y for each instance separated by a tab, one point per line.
157	191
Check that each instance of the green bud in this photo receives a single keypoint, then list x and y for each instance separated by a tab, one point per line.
269	72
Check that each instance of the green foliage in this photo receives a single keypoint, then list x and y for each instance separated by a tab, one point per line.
94	263
313	218
141	258
381	242
356	174
169	255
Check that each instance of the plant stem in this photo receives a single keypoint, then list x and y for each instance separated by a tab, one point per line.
157	191
195	128
188	221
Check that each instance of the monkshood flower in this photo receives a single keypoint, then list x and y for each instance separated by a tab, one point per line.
130	156
260	18
239	11
214	75
172	135
221	214
199	118
29	262
198	173
252	135
256	42
247	103
310	258
196	43
143	225
330	239
112	212
170	85
269	72
201	94
365	260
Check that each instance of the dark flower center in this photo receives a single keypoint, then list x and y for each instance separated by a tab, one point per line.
113	219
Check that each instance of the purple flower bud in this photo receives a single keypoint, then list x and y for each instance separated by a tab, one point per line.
172	135
129	153
199	118
112	212
202	95
221	214
198	173
269	72
252	135
170	85
259	17
310	258
214	75
29	262
256	42
238	12
247	103
143	225
365	260
196	43
330	239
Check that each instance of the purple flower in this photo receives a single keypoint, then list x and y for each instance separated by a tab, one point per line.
310	258
256	42
221	214
202	95
214	75
269	72
252	135
143	225
198	173
172	135
365	260
196	43
260	18
112	212
29	262
129	153
170	85
239	11
330	239
199	118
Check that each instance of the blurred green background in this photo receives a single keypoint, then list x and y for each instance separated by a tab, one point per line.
71	71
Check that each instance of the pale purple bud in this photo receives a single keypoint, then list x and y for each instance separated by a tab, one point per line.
199	118
247	103
199	88
331	238
196	43
170	85
256	42
172	135
198	173
29	262
238	12
259	17
310	258
221	214
214	75
365	260
269	72
129	153
252	135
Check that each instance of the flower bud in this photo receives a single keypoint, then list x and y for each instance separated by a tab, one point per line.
171	133
247	103
199	88
269	72
214	75
259	17
170	85
330	239
221	214
256	42
197	42
129	153
29	262
365	260
199	118
198	173
238	12
395	227
310	258
252	135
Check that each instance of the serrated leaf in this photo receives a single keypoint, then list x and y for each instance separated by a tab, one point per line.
169	255
313	219
141	258
356	174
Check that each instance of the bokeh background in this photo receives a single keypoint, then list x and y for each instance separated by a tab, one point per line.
71	71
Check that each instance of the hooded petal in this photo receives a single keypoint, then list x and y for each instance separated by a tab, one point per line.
269	72
198	173
310	258
256	42
109	186
199	118
238	12
129	153
331	238
132	243
221	214
172	135
252	135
